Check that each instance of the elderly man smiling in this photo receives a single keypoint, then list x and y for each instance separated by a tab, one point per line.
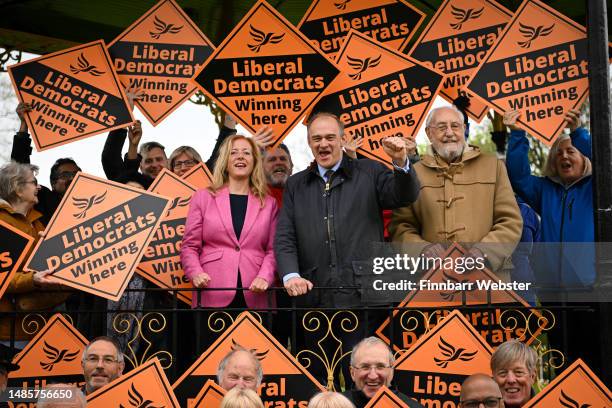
371	368
465	197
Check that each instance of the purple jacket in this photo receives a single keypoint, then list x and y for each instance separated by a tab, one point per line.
210	245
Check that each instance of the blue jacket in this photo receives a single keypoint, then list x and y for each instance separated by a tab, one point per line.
566	213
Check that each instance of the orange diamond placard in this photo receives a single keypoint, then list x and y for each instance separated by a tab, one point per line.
98	235
161	262
199	176
159	53
576	387
144	386
15	247
385	398
433	369
286	381
390	22
456	40
539	66
74	93
379	93
210	396
53	355
266	73
424	308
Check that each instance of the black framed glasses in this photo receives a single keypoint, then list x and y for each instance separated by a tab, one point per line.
489	402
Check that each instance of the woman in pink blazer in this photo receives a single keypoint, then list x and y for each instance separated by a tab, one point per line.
230	231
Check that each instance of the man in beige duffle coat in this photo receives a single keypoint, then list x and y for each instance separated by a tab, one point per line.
465	197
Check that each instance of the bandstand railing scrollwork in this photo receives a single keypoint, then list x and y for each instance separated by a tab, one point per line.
316	320
138	347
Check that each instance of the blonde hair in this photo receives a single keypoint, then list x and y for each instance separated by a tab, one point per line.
514	351
241	398
330	400
257	179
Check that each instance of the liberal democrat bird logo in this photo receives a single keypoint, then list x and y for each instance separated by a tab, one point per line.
452	354
178	202
56	355
450	296
260	355
569	402
84	66
342	4
86	203
163	28
136	400
532	33
361	65
263	38
463	16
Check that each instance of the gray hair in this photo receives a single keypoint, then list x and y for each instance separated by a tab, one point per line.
435	110
324	115
12	175
550	169
372	341
71	394
511	351
236	349
107	339
188	150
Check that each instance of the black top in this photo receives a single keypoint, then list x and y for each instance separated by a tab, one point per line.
360	400
238	204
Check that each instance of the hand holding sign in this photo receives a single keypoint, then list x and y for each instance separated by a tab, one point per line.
572	117
133	94
264	137
510	119
395	148
45	278
21	110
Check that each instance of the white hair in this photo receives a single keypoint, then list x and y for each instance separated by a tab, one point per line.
372	341
435	110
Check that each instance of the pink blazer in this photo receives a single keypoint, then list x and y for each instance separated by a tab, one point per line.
210	245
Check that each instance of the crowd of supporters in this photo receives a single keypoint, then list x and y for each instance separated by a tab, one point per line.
258	226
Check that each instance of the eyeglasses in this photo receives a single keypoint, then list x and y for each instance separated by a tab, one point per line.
366	368
106	360
490	402
65	175
441	127
185	163
33	182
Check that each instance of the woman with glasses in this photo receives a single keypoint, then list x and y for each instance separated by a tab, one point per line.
18	196
230	230
182	159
